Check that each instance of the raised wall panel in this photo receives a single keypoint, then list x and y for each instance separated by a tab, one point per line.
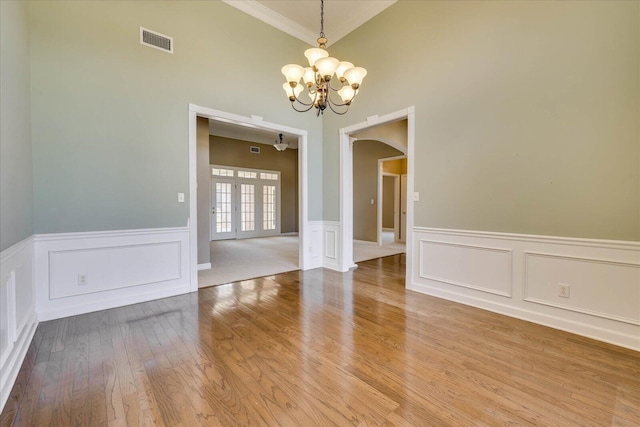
121	268
481	268
113	267
330	243
598	287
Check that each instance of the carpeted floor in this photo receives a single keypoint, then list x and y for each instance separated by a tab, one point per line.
235	260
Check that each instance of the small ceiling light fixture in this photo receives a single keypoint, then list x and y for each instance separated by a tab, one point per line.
318	76
280	146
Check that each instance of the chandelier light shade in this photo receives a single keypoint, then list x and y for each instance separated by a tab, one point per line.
280	145
325	79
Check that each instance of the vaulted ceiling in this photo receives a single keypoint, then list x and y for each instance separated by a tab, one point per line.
301	18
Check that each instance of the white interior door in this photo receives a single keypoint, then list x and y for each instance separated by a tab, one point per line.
223	208
403	207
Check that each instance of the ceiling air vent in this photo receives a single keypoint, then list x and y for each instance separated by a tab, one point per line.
156	40
253	149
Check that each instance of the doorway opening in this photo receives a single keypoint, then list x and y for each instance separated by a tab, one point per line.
392	194
200	238
372	129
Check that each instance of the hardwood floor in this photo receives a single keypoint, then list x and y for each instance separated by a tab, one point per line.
318	348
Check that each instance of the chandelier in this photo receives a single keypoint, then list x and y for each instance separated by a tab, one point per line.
280	146
318	79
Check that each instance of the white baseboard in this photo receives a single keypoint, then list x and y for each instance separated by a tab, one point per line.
18	311
204	266
520	275
121	268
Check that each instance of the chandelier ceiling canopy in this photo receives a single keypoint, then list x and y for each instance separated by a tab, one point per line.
320	77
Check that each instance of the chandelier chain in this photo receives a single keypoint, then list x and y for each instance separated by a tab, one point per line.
322	18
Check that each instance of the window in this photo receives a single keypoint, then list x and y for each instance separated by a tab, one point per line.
269	207
247	174
221	172
269	176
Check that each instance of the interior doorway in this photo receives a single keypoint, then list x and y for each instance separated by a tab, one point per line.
346	180
255	122
392	193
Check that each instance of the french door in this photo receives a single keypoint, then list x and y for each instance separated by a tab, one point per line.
244	203
223	208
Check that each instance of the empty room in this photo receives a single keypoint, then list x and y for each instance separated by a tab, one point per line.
188	189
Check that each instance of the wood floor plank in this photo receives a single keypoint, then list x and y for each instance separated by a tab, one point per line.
318	348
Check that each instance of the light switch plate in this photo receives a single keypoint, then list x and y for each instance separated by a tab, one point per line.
180	197
416	196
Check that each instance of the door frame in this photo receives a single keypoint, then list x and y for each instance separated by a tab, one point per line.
346	184
196	111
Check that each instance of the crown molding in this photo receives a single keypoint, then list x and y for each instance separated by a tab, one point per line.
274	19
366	11
357	19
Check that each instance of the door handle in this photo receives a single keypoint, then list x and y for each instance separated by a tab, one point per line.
213	210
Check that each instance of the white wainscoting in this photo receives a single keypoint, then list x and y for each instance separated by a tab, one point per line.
18	320
520	275
120	268
331	245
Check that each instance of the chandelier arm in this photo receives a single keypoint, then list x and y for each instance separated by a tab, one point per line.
336	104
337	112
303	110
332	88
303	103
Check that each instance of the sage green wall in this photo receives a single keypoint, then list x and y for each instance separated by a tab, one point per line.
527	113
16	182
110	128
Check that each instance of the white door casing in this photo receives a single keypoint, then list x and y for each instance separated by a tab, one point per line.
403	207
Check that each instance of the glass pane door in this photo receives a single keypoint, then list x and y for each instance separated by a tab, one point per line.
223	209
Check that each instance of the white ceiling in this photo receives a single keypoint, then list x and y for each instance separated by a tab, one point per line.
301	18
